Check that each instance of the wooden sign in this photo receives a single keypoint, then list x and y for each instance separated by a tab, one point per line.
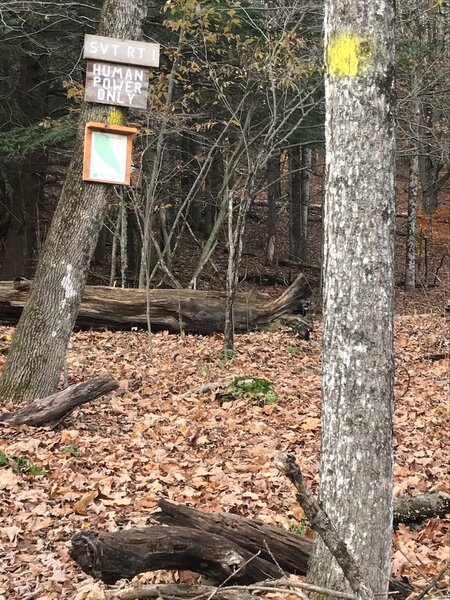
116	84
107	153
127	52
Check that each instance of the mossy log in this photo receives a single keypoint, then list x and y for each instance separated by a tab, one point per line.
191	311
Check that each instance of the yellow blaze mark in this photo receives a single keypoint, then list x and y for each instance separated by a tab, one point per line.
115	117
349	55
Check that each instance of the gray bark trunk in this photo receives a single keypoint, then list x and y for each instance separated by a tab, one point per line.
38	349
305	179
413	192
273	196
294	203
356	461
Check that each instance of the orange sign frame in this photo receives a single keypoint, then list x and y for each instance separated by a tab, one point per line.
93	173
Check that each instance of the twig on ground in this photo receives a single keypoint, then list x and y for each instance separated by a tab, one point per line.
207	387
204	592
434	581
408	383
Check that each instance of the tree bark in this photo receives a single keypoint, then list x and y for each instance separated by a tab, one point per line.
413	191
56	406
191	311
425	506
357	385
37	352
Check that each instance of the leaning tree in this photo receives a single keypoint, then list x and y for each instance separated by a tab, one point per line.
39	345
356	461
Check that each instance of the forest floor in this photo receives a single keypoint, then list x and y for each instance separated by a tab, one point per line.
108	463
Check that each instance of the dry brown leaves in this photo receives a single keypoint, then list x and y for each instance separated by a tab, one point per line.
116	456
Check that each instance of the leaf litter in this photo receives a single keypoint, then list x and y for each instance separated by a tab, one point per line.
164	432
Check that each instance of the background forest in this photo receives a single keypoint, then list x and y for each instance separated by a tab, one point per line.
235	119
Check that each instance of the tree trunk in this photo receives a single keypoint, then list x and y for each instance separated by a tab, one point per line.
189	149
410	509
413	192
273	196
305	179
290	550
37	352
192	311
295	203
357	387
26	176
56	406
213	186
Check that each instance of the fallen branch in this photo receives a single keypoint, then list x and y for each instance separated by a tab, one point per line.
424	506
170	591
321	523
434	581
234	592
433	357
56	406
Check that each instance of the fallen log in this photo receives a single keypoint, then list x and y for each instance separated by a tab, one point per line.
226	557
417	508
54	407
126	553
291	551
191	311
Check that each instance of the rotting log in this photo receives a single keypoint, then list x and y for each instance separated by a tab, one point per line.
191	311
55	407
126	553
291	551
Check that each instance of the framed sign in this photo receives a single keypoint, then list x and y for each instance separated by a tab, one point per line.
107	153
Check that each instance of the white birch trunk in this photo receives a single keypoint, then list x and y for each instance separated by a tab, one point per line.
356	461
